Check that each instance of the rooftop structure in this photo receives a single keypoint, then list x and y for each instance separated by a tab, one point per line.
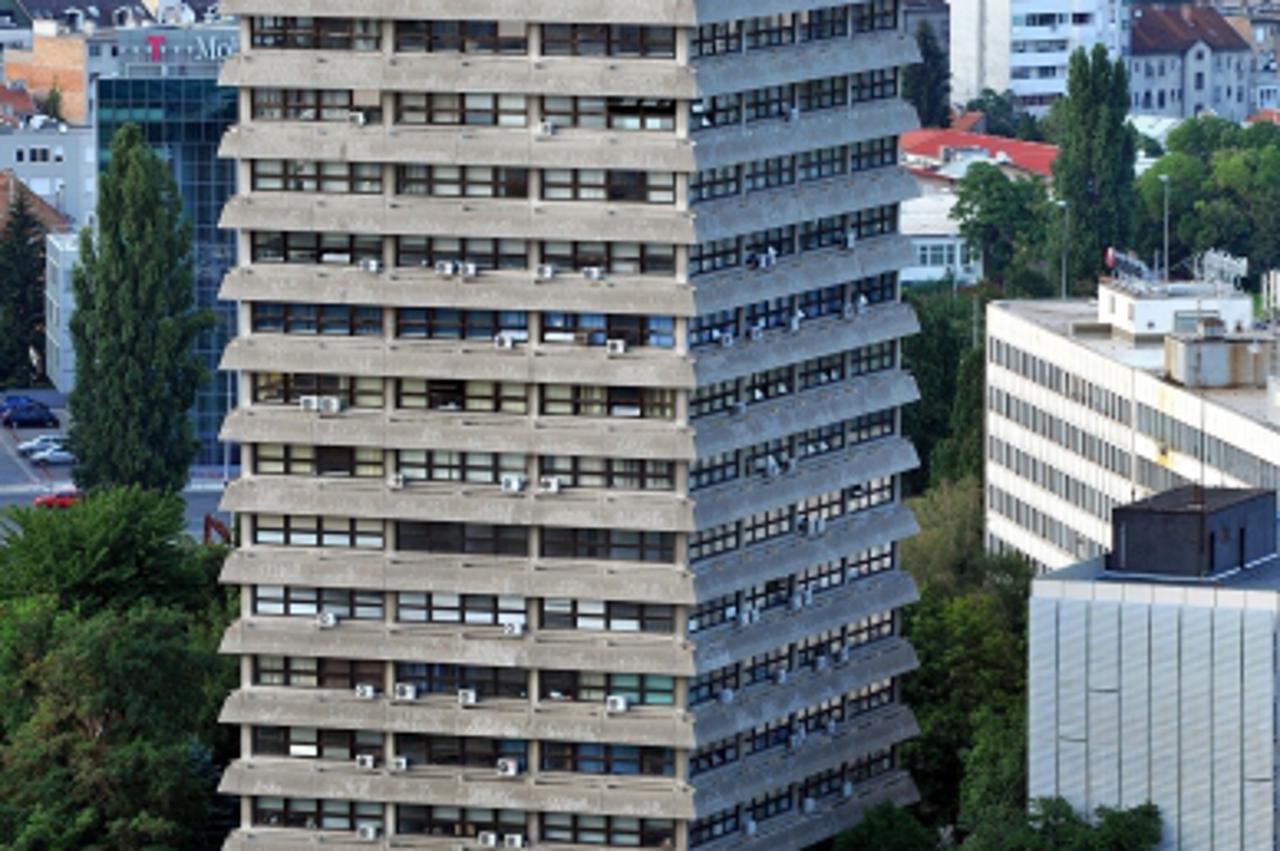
939	148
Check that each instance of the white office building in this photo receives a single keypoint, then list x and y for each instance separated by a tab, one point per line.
1093	404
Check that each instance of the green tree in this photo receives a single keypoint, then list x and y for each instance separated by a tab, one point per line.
1187	176
961	452
52	105
1093	171
993	791
999	217
1202	137
1000	110
134	327
927	84
886	827
21	294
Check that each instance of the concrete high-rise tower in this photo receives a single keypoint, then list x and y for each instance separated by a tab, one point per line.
570	377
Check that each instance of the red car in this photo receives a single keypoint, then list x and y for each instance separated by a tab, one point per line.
61	499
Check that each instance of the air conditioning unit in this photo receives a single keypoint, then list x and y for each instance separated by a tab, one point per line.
547	128
780	677
797	602
467	697
487	839
546	272
843	656
726	696
750	828
326	620
366	761
549	484
819	526
332	404
406	691
370	265
851	239
802	525
807	596
863	304
615	703
810	806
504	340
821	663
508	767
515	629
765	261
445	268
400	763
771	467
727	339
309	403
849	310
616	347
366	691
513	840
846	789
739	407
357	118
513	482
593	273
369	831
796	320
470	270
395	481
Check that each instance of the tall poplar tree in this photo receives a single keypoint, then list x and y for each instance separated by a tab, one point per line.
21	293
134	329
927	84
1093	171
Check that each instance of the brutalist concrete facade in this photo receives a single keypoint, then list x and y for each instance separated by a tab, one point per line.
571	386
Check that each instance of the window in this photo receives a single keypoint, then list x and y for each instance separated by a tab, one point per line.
474	396
311	176
603	185
875	153
875	85
624	258
446	181
288	388
436	678
458	821
443	323
471	751
316	814
768	102
311	743
471	609
823	93
288	600
820	24
707	687
604	40
770	31
441	465
271	31
594	758
714	256
487	254
717	39
473	538
593	687
883	15
714	183
602	616
596	329
768	173
310	247
608	830
617	113
718	111
713	827
303	105
617	544
461	37
589	401
595	472
473	109
340	320
713	542
824	162
311	531
307	672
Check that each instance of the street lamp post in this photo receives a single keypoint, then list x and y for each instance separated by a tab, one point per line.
1066	230
1164	179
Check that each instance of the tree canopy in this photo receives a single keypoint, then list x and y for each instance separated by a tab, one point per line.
22	272
1005	220
927	84
134	327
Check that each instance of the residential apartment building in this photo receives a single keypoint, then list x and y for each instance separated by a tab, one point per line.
1152	670
1187	60
1094	404
1024	46
570	389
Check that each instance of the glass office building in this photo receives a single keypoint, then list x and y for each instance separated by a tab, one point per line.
167	85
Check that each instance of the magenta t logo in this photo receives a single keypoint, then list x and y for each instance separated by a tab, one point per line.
155	42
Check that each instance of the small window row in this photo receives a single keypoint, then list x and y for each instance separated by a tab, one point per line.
448	679
788	102
794	27
773	172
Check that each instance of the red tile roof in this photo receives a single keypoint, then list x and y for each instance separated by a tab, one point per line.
1034	157
966	121
10	185
1264	116
1175	29
15	104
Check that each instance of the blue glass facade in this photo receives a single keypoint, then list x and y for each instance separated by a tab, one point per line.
184	119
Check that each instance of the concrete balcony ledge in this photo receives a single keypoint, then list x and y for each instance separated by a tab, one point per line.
408	571
440	714
758	704
830	610
639	797
797	829
461	503
786	415
502	289
737	72
475	432
757	776
469	645
755	493
475	359
454	145
845	536
455	72
799	273
496	218
815	338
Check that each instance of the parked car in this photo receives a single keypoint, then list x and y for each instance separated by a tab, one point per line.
29	416
44	441
17	402
59	499
54	455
